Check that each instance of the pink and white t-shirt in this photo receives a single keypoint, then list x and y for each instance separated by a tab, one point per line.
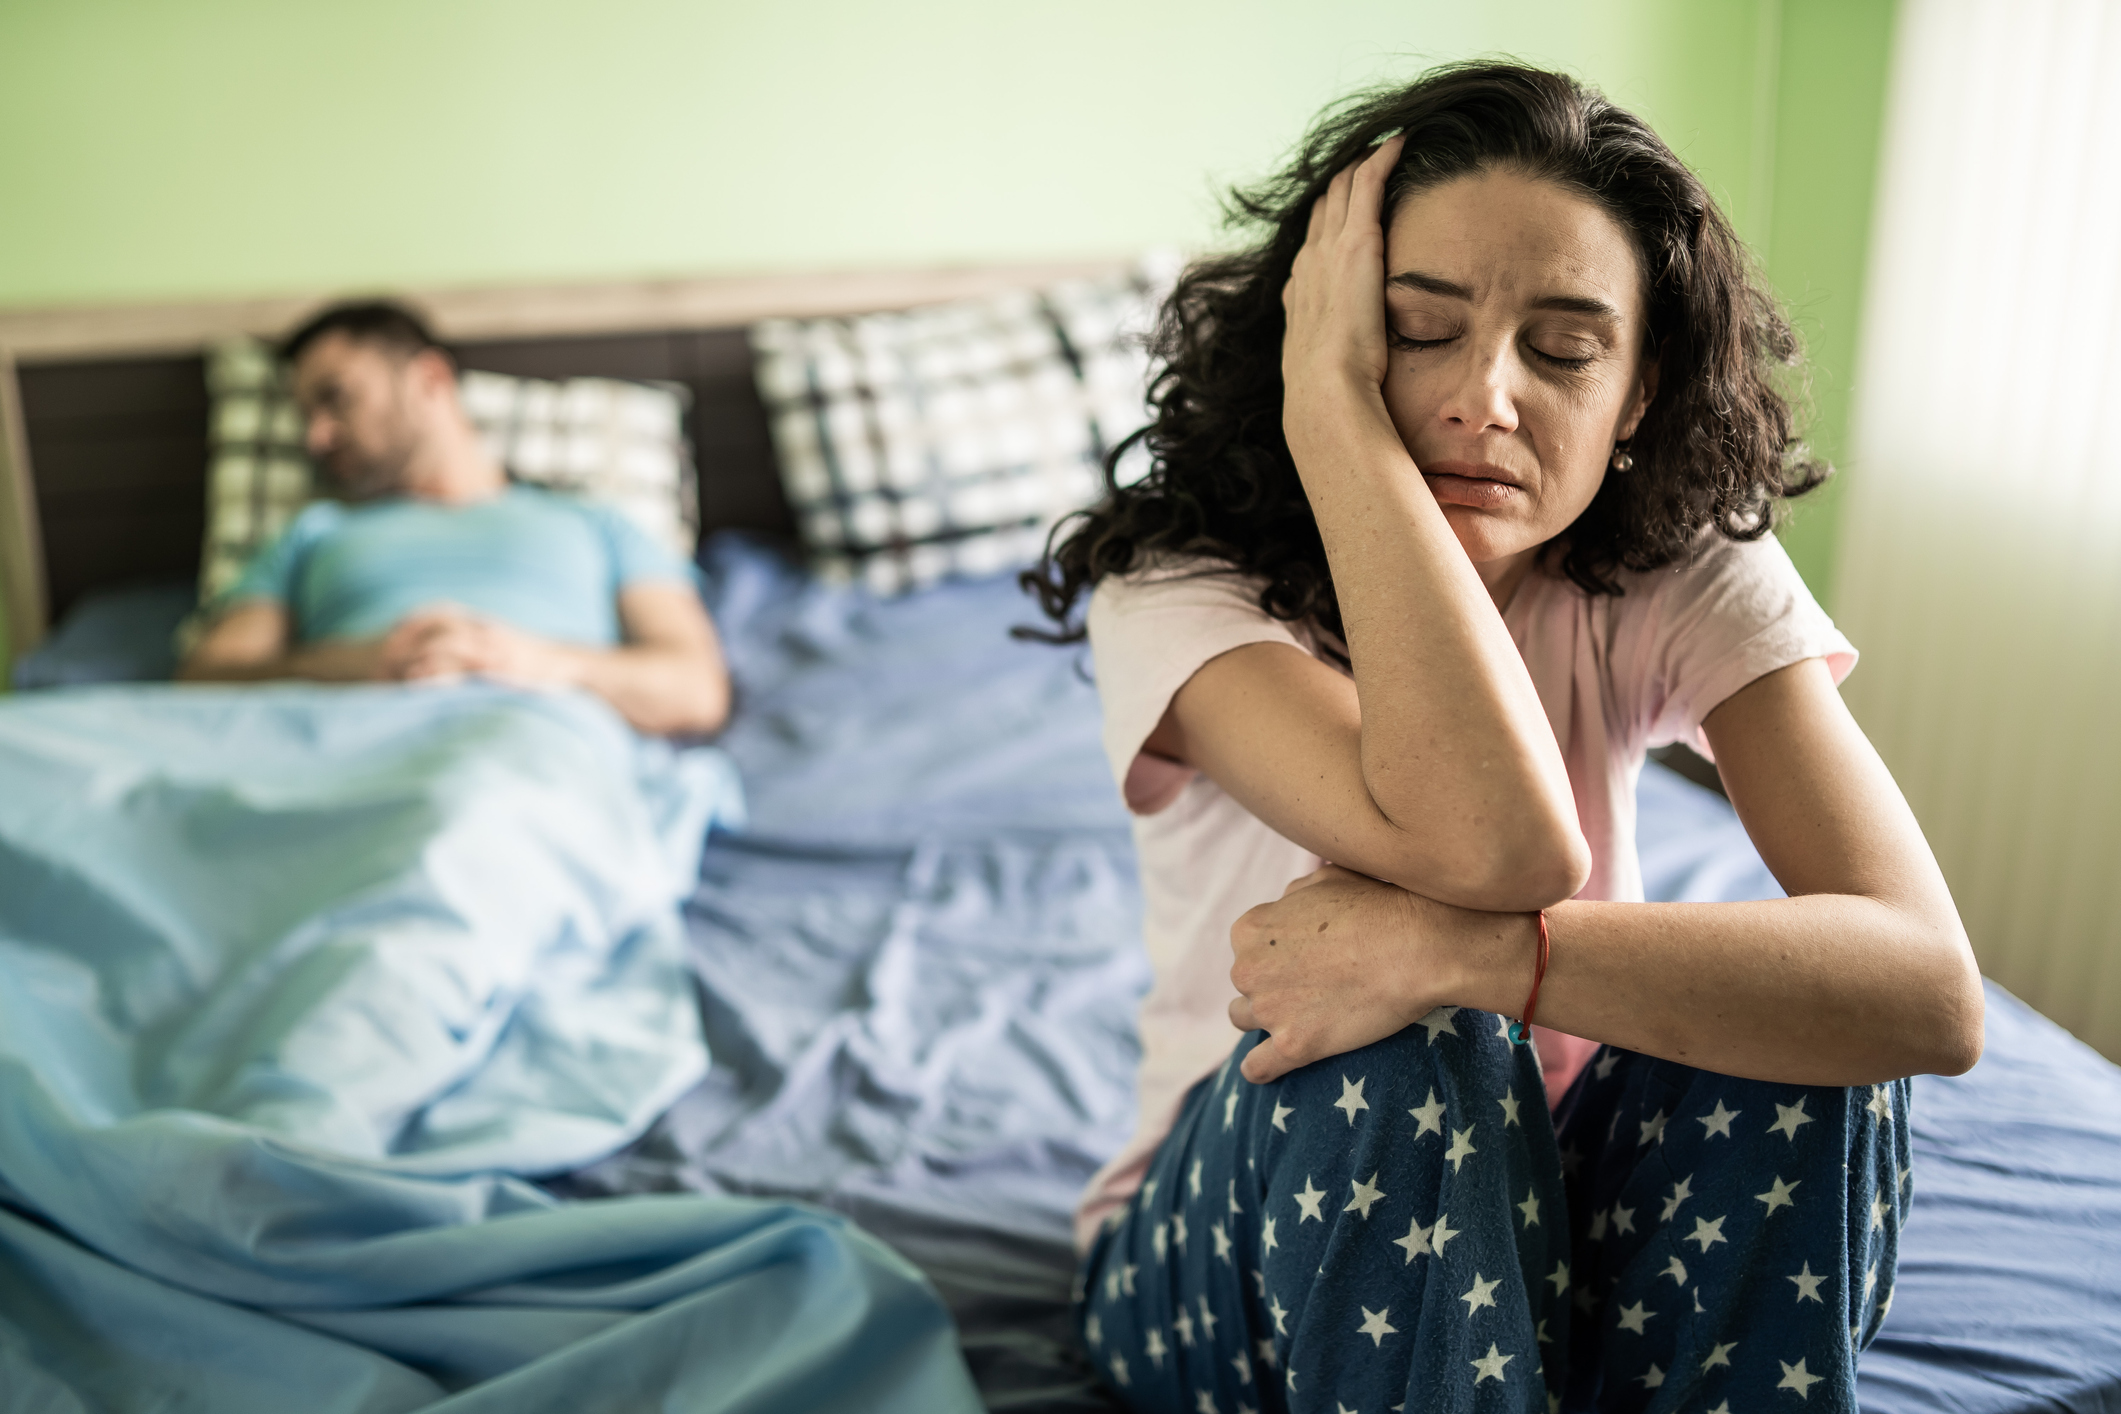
1617	675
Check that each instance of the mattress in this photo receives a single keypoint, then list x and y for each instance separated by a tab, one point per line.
918	969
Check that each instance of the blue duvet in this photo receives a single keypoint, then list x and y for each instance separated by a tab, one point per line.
295	985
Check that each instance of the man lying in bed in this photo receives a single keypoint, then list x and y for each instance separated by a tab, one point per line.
431	565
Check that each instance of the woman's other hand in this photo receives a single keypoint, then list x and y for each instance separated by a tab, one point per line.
1342	960
1334	344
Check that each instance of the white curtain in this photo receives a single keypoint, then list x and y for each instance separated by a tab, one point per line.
1980	565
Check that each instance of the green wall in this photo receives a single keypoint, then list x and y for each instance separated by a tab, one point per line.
151	149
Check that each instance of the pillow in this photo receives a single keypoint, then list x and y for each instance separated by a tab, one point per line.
618	442
947	440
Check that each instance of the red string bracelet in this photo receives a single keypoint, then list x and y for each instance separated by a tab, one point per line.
1521	1031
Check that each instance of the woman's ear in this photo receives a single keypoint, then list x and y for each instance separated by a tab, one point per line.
1645	393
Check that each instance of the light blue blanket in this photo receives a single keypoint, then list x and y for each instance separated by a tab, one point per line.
292	982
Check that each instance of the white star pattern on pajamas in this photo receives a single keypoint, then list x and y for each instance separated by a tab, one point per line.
1178	1232
1881	1103
1160	1240
1719	1355
1429	1115
1707	1233
1438	1023
1207	1318
1194	1177
1632	1317
1681	1191
1490	1365
1280	1121
1560	1278
1870	1280
1204	1402
1126	1278
1184	1326
1266	1243
1376	1327
1807	1284
1351	1098
1798	1378
1094	1330
1155	1347
1265	1347
1788	1118
1112	1284
1624	1220
1280	1313
1699	1309
1530	1207
1653	1128
1502	1027
1367	1194
1149	1191
1222	1241
1509	1103
1119	1370
1308	1200
1717	1121
1676	1270
1230	1109
1905	1175
1777	1196
1598	1224
1481	1293
1416	1241
1879	1208
1288	1380
1603	1067
1654	1378
1259	1279
1242	1363
1723	1408
1461	1148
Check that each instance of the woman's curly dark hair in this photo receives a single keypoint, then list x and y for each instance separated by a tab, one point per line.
1716	447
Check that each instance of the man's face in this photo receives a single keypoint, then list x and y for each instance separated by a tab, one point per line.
358	402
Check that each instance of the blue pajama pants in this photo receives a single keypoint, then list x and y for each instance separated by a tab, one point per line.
1391	1229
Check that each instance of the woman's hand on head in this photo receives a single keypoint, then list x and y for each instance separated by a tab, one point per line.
1334	342
1339	961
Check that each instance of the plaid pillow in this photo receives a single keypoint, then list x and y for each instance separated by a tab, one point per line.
608	440
947	440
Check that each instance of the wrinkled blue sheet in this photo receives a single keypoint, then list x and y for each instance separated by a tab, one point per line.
921	969
292	981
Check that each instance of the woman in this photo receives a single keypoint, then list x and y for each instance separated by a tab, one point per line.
1462	486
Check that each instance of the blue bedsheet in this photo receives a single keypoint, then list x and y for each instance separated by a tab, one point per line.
921	967
294	982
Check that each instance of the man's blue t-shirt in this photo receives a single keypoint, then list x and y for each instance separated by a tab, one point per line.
548	564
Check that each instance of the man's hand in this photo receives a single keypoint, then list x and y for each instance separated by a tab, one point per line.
1342	960
443	641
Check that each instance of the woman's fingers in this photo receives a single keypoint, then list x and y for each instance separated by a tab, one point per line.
1265	1063
1241	1014
1337	192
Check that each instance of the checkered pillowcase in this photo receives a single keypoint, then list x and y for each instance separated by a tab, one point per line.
616	442
947	440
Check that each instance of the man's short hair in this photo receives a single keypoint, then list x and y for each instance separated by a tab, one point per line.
380	322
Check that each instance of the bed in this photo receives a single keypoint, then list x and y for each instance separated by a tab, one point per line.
915	961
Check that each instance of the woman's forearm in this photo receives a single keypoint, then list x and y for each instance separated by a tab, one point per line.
1823	989
1456	749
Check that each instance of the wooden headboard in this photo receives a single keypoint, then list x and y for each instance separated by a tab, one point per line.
103	410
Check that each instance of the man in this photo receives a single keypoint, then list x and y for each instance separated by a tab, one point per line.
431	565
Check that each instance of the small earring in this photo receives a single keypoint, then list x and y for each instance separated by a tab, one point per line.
1621	462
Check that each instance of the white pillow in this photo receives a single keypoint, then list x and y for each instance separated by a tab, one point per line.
601	438
947	440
